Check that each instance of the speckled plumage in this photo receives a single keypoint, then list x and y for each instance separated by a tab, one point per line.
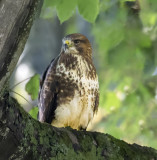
69	93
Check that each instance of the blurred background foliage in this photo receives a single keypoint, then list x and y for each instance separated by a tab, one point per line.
123	34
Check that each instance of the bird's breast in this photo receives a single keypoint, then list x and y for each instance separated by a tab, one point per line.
76	98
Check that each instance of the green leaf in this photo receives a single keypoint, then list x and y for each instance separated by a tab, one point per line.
32	87
49	3
65	9
89	9
34	112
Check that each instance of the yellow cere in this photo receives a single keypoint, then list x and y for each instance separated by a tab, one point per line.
67	42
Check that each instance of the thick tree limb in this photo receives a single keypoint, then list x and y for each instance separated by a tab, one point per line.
16	18
22	137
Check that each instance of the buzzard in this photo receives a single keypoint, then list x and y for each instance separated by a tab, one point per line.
69	89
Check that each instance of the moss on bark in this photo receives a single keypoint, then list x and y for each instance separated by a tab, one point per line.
28	137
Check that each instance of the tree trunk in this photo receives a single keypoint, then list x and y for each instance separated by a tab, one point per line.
22	137
16	18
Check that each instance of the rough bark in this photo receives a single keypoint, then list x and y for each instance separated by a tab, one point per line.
22	137
16	18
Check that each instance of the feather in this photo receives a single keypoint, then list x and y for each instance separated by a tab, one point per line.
69	89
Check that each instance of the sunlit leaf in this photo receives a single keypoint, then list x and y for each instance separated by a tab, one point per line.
32	87
65	9
34	112
89	9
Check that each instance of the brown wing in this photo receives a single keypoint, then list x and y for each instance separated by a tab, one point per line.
44	75
96	102
48	94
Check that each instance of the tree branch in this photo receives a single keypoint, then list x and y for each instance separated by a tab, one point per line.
22	136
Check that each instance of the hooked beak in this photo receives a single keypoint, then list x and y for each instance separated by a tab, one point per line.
66	44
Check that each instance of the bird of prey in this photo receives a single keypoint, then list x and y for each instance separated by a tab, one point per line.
69	89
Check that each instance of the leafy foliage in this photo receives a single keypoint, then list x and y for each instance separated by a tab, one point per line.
127	64
65	9
32	87
89	9
34	112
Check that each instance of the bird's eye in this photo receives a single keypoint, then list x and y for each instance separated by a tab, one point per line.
76	41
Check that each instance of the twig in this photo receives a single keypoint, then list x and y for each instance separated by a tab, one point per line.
22	97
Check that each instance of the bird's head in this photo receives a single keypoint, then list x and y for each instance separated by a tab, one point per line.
76	44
